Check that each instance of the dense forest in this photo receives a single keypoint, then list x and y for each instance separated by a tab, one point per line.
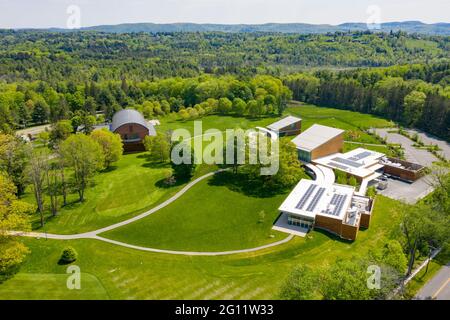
84	56
413	95
51	76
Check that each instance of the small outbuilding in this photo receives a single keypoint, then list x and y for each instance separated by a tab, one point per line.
133	128
287	126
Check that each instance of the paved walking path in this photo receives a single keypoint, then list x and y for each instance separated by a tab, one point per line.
95	234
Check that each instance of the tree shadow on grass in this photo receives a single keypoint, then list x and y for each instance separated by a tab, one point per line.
242	183
62	262
151	162
333	236
156	165
109	169
164	185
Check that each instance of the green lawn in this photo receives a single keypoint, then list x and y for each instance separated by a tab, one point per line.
131	274
130	188
214	122
51	286
209	217
351	146
343	119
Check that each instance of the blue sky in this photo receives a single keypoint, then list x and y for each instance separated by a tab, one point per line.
52	13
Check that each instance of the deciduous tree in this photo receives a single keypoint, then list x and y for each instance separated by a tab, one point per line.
111	144
85	156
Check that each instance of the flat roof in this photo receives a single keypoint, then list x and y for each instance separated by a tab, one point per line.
310	198
315	136
283	123
359	162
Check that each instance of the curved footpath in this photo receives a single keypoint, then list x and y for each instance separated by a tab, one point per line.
323	174
95	234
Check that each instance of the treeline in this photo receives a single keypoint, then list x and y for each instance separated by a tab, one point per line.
413	95
39	102
86	56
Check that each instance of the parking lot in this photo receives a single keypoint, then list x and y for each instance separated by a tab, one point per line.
407	192
412	154
429	140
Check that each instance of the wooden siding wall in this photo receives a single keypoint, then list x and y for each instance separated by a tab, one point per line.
288	131
349	232
333	146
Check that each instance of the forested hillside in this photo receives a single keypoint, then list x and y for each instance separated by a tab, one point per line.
413	95
84	56
405	26
50	76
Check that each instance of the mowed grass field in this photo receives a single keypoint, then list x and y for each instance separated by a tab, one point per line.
130	274
132	185
310	114
209	217
129	188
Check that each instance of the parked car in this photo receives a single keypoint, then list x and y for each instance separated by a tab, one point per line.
382	185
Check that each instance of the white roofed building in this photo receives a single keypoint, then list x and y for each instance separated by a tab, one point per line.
287	126
332	207
319	141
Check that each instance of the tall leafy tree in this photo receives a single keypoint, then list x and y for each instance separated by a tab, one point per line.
158	146
37	172
111	144
85	157
14	216
41	112
301	284
14	160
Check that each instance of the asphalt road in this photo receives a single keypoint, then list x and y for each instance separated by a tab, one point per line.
438	287
33	130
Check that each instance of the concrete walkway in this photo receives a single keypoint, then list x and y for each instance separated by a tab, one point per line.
95	234
328	174
320	176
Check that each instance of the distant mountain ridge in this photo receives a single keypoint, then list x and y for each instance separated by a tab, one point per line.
304	28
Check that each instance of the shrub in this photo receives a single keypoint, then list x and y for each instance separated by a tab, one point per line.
371	192
68	255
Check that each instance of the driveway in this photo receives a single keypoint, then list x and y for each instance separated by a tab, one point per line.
420	156
438	287
33	130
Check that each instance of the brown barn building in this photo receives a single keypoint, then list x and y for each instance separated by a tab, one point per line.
287	126
319	141
133	129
